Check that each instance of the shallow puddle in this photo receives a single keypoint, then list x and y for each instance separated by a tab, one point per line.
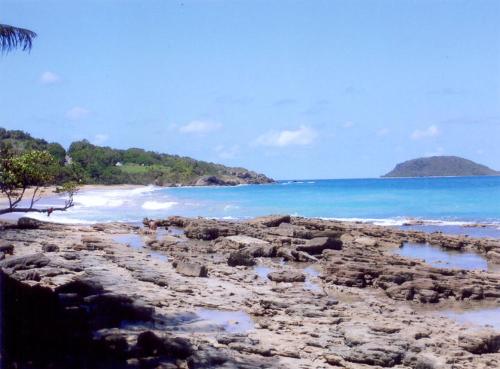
444	258
133	240
311	273
230	321
137	242
481	232
262	271
479	317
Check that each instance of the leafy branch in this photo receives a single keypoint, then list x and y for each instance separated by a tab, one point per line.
32	169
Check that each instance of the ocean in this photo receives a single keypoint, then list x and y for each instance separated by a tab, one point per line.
439	202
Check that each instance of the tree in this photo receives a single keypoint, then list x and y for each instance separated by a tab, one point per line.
32	169
14	37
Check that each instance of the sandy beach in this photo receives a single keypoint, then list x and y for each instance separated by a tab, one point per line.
48	191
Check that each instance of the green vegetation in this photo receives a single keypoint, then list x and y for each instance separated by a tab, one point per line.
440	166
86	163
30	169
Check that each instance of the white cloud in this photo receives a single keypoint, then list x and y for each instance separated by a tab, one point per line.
429	132
199	127
49	78
225	152
100	138
77	113
383	132
303	135
348	124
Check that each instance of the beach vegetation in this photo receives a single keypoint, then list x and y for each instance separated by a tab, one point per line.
32	170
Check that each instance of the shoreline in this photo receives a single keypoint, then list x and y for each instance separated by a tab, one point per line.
49	191
398	221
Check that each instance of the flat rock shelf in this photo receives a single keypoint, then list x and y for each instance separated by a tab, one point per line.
271	292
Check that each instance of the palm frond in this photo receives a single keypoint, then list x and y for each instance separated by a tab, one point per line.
14	38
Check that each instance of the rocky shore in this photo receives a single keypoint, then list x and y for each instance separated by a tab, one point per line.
273	292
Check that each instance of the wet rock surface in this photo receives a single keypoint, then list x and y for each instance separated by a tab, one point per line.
75	296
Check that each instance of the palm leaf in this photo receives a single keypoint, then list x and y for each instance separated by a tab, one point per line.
14	38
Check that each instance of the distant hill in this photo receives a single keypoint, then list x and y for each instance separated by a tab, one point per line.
92	164
440	166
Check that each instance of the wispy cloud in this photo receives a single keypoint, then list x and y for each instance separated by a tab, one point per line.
199	127
301	136
77	113
100	138
383	132
429	132
227	152
348	124
49	78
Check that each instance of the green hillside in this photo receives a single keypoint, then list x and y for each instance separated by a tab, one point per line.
92	164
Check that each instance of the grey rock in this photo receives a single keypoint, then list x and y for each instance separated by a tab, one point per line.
50	248
28	223
25	262
318	244
189	269
286	276
241	257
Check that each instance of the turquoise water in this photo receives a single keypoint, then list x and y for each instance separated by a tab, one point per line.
445	201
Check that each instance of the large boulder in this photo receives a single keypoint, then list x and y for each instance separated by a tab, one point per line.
25	262
318	244
218	181
241	241
482	342
190	269
28	223
286	276
271	220
241	257
206	230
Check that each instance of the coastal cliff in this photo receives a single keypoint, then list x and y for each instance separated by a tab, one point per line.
440	166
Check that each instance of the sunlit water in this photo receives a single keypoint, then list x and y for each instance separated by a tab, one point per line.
445	258
447	202
480	317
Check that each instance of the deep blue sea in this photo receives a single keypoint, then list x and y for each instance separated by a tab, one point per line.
449	201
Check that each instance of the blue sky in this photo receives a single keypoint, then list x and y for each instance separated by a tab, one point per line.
294	89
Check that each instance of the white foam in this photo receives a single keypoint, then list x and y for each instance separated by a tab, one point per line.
156	205
110	198
57	218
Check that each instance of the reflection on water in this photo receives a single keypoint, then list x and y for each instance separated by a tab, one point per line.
262	271
133	240
443	258
311	273
230	321
480	317
137	242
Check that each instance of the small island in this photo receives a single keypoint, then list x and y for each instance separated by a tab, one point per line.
440	166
